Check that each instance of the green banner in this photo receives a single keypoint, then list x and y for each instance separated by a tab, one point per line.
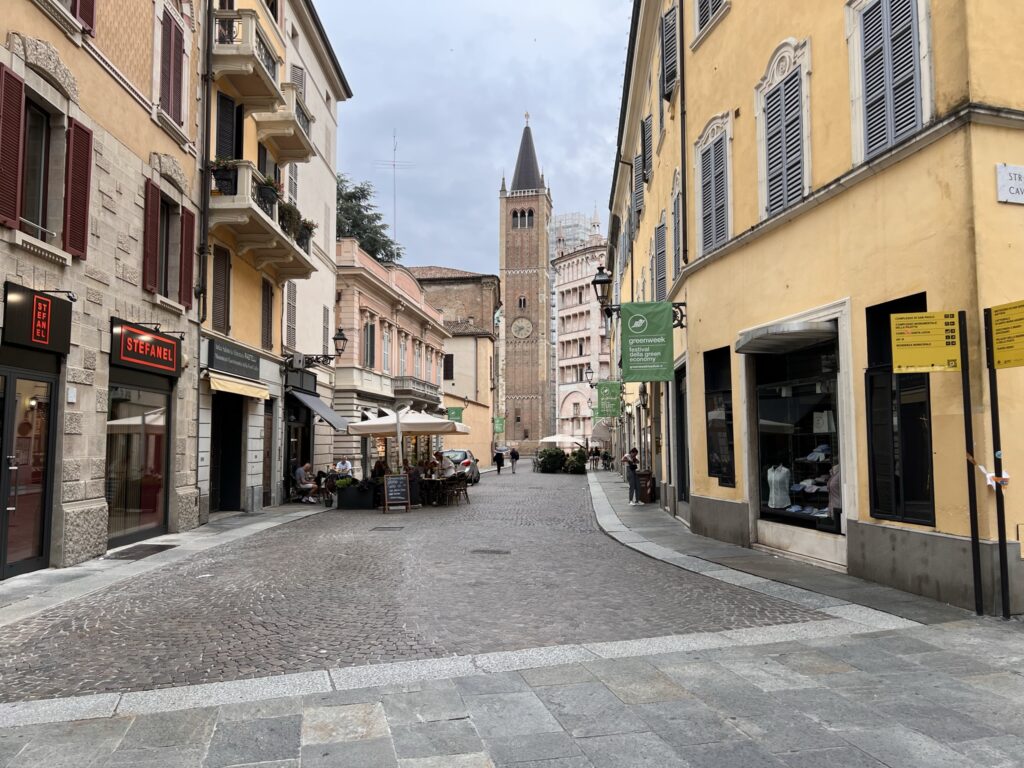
455	414
608	400
499	425
647	341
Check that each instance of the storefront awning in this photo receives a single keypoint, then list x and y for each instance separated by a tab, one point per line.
320	408
786	337
221	383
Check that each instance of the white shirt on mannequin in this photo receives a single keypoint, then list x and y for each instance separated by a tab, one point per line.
778	487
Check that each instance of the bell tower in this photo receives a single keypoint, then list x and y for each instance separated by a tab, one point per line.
526	297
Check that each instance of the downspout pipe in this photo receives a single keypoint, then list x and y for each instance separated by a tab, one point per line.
204	214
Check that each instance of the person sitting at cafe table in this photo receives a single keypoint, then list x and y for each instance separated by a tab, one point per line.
414	481
379	469
344	467
445	464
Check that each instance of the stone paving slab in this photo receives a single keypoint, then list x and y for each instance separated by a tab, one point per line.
865	699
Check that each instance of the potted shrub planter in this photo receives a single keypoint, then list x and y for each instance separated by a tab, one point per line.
355	495
305	233
225	176
267	193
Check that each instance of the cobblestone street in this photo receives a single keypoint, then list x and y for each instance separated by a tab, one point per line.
523	565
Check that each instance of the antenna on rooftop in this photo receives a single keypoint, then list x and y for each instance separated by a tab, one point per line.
395	165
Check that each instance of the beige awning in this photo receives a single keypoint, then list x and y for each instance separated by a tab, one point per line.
786	337
220	382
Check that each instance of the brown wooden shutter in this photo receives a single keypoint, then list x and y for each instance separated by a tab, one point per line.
85	12
77	181
166	75
188	250
151	238
12	136
177	62
221	289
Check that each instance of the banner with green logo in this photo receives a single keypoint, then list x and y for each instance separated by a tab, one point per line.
499	425
455	414
647	341
608	402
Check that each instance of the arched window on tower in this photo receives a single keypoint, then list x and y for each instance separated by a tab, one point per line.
515	219
529	219
522	302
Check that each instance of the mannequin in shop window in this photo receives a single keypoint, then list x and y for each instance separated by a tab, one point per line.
778	486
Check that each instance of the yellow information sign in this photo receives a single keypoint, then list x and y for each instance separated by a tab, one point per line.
925	342
1008	335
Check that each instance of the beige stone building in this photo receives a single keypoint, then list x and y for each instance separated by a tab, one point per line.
470	303
582	340
99	129
526	358
395	353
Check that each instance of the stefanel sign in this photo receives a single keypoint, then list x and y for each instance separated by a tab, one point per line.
35	320
143	349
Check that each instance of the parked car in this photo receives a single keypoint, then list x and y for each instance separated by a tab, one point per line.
465	463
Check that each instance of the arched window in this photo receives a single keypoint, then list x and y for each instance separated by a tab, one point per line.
515	219
522	302
529	219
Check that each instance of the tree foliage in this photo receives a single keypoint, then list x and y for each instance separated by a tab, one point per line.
359	218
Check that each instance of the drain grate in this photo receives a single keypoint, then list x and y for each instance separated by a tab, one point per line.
139	551
388	528
490	551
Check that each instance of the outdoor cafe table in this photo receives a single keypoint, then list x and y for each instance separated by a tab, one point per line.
431	490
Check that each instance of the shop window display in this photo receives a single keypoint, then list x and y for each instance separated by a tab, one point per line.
798	438
136	461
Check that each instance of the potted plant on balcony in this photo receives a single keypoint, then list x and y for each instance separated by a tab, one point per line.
225	174
354	494
268	191
305	233
289	218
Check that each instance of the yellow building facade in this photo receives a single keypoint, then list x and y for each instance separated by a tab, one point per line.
841	165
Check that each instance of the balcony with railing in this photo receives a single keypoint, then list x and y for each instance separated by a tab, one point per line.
287	130
417	389
268	229
243	57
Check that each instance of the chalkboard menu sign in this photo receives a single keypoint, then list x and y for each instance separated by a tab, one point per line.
396	492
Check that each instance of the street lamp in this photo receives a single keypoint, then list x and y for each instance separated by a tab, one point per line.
340	342
588	374
602	283
643	396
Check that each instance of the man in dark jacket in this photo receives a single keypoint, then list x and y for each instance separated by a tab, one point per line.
499	460
513	457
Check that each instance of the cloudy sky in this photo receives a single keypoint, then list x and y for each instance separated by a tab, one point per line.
453	78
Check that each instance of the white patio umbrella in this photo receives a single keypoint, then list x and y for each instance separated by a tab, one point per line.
405	422
560	438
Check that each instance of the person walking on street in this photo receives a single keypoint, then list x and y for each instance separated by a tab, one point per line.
632	463
513	457
499	460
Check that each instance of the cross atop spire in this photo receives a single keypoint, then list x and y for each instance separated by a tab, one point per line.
527	116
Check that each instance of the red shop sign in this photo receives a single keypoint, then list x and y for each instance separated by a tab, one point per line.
144	349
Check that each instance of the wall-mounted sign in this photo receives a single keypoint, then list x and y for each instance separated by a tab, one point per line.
499	425
1010	183
1008	335
36	320
925	342
455	414
608	399
647	341
141	348
231	358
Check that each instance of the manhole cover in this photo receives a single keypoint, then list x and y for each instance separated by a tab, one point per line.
388	528
490	552
139	551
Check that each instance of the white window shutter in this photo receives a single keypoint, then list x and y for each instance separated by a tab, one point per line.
660	275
